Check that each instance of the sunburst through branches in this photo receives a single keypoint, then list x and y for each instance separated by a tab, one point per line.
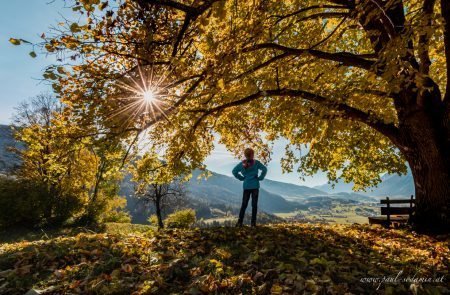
143	96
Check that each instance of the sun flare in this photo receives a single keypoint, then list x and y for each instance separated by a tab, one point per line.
148	96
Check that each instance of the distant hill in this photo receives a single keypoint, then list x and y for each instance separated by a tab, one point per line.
212	197
220	189
391	185
221	193
352	196
290	191
8	160
395	185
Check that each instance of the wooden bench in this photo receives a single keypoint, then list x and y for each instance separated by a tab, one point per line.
394	215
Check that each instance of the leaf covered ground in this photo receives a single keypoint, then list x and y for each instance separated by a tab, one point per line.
274	259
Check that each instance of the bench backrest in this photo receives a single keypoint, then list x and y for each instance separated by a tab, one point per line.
396	210
389	210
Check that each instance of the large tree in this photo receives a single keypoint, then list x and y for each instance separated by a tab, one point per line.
362	83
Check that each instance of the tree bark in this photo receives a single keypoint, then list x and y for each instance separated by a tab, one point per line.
425	148
158	212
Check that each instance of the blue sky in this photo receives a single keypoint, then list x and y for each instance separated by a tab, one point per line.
20	74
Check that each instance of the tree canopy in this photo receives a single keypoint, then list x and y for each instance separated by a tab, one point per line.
357	87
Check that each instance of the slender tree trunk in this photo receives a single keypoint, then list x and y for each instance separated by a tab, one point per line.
425	147
90	212
158	212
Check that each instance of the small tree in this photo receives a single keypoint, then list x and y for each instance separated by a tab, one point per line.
79	169
50	159
161	196
155	185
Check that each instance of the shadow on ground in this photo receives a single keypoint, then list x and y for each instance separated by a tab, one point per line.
278	259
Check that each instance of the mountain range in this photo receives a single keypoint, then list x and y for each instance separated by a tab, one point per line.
391	185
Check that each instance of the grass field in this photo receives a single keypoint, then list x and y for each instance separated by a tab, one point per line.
12	235
338	214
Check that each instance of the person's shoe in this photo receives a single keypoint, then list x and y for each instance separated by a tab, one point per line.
253	224
238	224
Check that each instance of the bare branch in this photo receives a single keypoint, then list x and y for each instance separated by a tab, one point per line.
329	35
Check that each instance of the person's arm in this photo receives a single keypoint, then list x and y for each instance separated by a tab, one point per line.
263	170
237	170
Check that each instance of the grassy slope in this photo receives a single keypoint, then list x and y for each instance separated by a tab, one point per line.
275	259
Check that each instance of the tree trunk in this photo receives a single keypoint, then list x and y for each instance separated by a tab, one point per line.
425	148
158	212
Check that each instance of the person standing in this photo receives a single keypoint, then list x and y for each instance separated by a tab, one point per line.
248	172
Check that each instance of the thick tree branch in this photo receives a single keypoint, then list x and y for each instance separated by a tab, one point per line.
347	58
377	93
192	13
424	38
261	65
187	21
172	4
344	110
347	3
313	7
322	15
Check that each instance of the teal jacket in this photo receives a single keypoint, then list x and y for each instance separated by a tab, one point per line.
250	175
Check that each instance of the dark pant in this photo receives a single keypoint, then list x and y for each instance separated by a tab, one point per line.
246	197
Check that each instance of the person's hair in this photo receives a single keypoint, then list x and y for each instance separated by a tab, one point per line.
248	153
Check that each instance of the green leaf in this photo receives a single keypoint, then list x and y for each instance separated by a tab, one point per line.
33	54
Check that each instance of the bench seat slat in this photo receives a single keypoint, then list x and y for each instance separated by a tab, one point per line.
383	219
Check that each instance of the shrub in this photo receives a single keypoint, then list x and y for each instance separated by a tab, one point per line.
117	217
30	203
114	211
181	219
153	219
